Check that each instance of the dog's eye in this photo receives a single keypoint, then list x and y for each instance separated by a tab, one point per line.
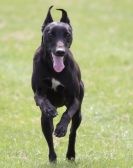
51	35
68	35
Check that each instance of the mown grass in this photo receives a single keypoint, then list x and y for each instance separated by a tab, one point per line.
103	47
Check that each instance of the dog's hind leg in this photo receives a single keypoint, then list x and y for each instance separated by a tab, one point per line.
47	129
76	120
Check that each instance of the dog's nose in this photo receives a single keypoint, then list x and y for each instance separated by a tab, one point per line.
60	52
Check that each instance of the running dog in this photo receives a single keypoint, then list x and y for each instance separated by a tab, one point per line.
56	82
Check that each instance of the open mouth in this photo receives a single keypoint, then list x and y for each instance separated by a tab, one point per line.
58	63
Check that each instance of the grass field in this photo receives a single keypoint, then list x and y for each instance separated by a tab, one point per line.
103	47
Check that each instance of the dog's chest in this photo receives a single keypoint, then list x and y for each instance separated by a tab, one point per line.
56	92
55	84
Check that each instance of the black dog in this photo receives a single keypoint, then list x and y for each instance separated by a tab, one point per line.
56	82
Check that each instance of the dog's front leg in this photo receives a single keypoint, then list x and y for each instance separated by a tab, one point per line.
46	107
48	112
61	127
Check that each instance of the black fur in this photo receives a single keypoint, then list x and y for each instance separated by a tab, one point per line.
56	40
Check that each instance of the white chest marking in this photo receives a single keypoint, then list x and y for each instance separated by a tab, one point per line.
55	84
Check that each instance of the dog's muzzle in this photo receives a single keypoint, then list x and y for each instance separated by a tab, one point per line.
58	57
60	49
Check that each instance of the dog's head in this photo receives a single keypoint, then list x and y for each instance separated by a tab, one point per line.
57	39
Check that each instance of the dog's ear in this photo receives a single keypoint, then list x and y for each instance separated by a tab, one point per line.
64	17
48	19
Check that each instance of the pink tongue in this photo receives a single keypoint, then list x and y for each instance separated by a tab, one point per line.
58	63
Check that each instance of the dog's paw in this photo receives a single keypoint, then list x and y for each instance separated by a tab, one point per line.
52	158
70	156
51	112
60	130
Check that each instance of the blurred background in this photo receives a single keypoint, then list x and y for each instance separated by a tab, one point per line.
103	48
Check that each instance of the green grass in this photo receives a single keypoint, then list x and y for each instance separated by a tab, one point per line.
103	47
